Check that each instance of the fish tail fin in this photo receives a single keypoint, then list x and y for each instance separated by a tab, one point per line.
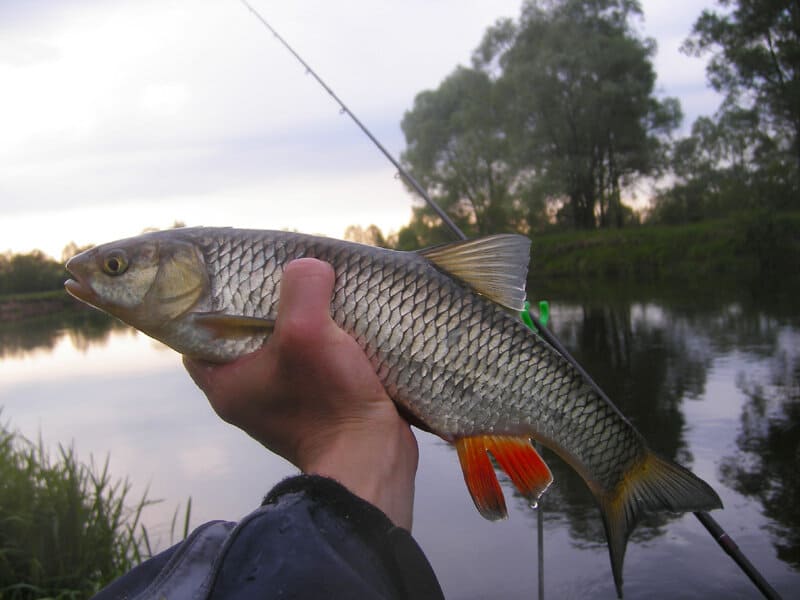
652	485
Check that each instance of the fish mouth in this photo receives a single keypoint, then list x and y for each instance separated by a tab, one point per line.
79	289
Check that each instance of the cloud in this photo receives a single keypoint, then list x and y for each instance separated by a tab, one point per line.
162	103
25	52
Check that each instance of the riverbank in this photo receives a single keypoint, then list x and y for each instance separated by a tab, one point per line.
16	307
753	249
744	248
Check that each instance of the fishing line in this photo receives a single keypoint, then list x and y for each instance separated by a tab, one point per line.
343	109
711	525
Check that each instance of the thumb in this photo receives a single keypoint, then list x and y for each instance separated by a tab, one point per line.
305	300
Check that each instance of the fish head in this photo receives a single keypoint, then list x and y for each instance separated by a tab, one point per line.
146	281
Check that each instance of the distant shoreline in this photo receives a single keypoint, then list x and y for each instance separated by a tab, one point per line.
756	249
748	247
25	306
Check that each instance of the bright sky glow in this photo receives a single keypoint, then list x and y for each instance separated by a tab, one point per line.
116	116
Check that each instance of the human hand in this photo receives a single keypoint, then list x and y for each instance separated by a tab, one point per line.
311	395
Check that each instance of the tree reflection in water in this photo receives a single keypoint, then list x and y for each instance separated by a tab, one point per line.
84	327
766	465
645	365
650	358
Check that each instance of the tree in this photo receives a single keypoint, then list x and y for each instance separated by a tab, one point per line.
727	164
755	61
713	169
579	86
556	109
458	149
71	249
372	235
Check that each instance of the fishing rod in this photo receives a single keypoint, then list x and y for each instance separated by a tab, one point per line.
709	523
345	110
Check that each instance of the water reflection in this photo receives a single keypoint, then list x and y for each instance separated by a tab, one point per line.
651	358
766	464
648	366
670	364
84	327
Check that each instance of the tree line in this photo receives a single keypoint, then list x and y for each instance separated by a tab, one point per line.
556	122
35	271
31	272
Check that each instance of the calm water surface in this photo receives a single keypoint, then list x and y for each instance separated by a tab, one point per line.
713	383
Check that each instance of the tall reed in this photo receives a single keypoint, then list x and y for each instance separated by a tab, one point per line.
66	527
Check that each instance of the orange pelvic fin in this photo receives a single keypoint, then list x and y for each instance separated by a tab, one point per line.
516	457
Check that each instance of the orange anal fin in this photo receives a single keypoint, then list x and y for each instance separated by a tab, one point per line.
480	477
523	465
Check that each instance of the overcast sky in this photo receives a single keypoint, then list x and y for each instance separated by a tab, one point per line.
116	116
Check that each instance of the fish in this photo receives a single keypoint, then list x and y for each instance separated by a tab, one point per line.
441	328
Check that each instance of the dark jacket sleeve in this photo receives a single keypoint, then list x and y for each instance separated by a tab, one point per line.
311	538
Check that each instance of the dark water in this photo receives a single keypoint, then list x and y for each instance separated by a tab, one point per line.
711	380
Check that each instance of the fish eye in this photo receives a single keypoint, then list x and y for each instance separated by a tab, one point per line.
115	263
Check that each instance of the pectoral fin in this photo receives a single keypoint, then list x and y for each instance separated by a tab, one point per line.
232	326
515	455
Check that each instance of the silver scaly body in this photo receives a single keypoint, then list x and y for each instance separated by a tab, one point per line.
461	364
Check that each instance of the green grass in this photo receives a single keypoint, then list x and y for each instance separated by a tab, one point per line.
747	246
66	528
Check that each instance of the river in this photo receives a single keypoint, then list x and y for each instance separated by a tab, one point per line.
712	380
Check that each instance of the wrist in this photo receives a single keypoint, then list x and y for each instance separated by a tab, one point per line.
376	462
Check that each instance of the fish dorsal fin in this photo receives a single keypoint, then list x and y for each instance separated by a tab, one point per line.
495	266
